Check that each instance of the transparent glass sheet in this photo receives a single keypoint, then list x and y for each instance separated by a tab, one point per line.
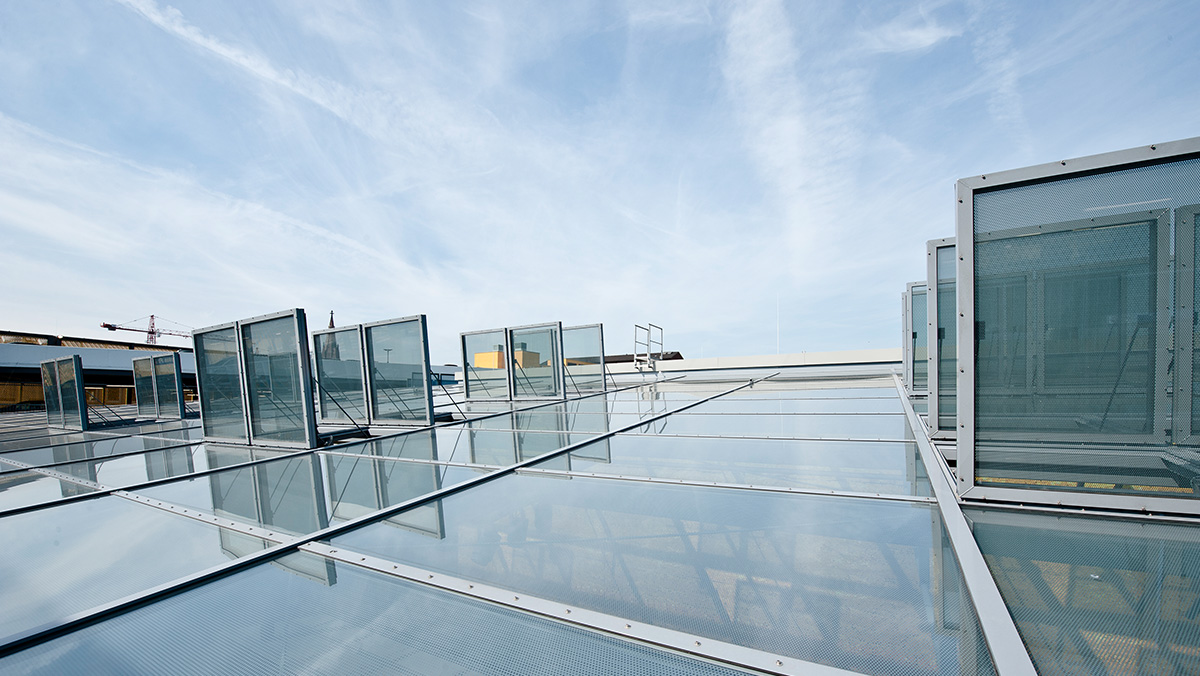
86	450
947	339
285	494
70	558
50	393
338	356
583	357
843	582
166	387
554	419
143	387
297	613
361	484
485	365
277	406
757	391
54	439
920	339
1077	346
396	356
220	390
536	363
867	427
1097	595
860	467
73	414
26	488
775	406
461	445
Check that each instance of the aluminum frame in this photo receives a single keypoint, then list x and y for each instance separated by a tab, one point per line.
931	297
910	341
508	378
241	384
603	366
300	326
1185	299
965	190
369	377
320	412
556	361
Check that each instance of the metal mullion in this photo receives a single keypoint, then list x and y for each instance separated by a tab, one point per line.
1004	642
78	620
743	436
691	645
734	486
307	410
1185	300
367	375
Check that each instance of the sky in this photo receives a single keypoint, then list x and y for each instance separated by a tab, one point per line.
755	177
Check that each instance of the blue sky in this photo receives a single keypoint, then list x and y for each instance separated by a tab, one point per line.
752	176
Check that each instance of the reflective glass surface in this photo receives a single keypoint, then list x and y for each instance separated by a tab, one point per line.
1097	595
143	387
86	450
1082	357
584	358
166	387
536	362
50	393
555	419
305	614
860	467
485	365
920	339
26	488
832	405
74	411
338	356
396	359
946	339
67	559
360	484
867	427
760	391
843	582
278	411
219	388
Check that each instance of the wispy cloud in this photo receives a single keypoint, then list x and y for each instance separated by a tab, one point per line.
912	31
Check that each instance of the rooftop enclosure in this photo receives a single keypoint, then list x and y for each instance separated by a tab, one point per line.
1010	492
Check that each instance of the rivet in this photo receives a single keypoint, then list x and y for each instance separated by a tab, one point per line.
779	663
363	559
516	598
1064	163
470	586
1153	147
628	626
568	611
697	643
430	577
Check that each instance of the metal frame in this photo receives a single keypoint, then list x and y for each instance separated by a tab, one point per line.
241	383
966	189
931	297
300	326
557	361
603	367
909	352
358	329
369	377
1185	299
462	339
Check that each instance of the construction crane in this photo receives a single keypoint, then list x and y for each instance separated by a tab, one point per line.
152	332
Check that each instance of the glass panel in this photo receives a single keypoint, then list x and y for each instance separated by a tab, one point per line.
800	392
485	371
340	375
73	415
583	358
276	387
362	484
947	342
775	406
284	494
869	427
25	488
843	582
86	450
554	420
165	386
143	387
220	390
73	557
537	367
1076	333
396	356
301	609
861	467
50	393
1097	595
920	338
